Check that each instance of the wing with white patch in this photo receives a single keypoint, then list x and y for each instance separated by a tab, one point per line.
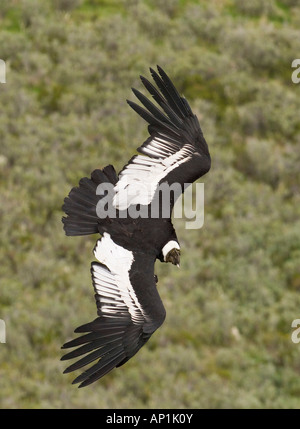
176	145
139	180
125	320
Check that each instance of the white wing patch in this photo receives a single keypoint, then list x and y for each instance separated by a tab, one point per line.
159	147
113	286
140	178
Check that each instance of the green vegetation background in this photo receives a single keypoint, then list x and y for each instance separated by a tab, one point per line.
226	341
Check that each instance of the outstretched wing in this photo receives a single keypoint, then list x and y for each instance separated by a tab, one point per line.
176	150
129	311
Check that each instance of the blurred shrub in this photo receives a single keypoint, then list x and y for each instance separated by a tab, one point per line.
262	160
168	7
271	114
255	7
67	5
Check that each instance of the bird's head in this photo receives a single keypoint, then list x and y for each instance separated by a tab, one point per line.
174	257
171	252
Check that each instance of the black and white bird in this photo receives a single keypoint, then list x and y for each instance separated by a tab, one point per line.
129	306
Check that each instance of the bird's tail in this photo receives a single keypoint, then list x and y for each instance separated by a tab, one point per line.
80	205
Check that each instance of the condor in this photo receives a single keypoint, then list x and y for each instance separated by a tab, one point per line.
128	303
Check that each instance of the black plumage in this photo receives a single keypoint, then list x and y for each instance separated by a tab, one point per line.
128	304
